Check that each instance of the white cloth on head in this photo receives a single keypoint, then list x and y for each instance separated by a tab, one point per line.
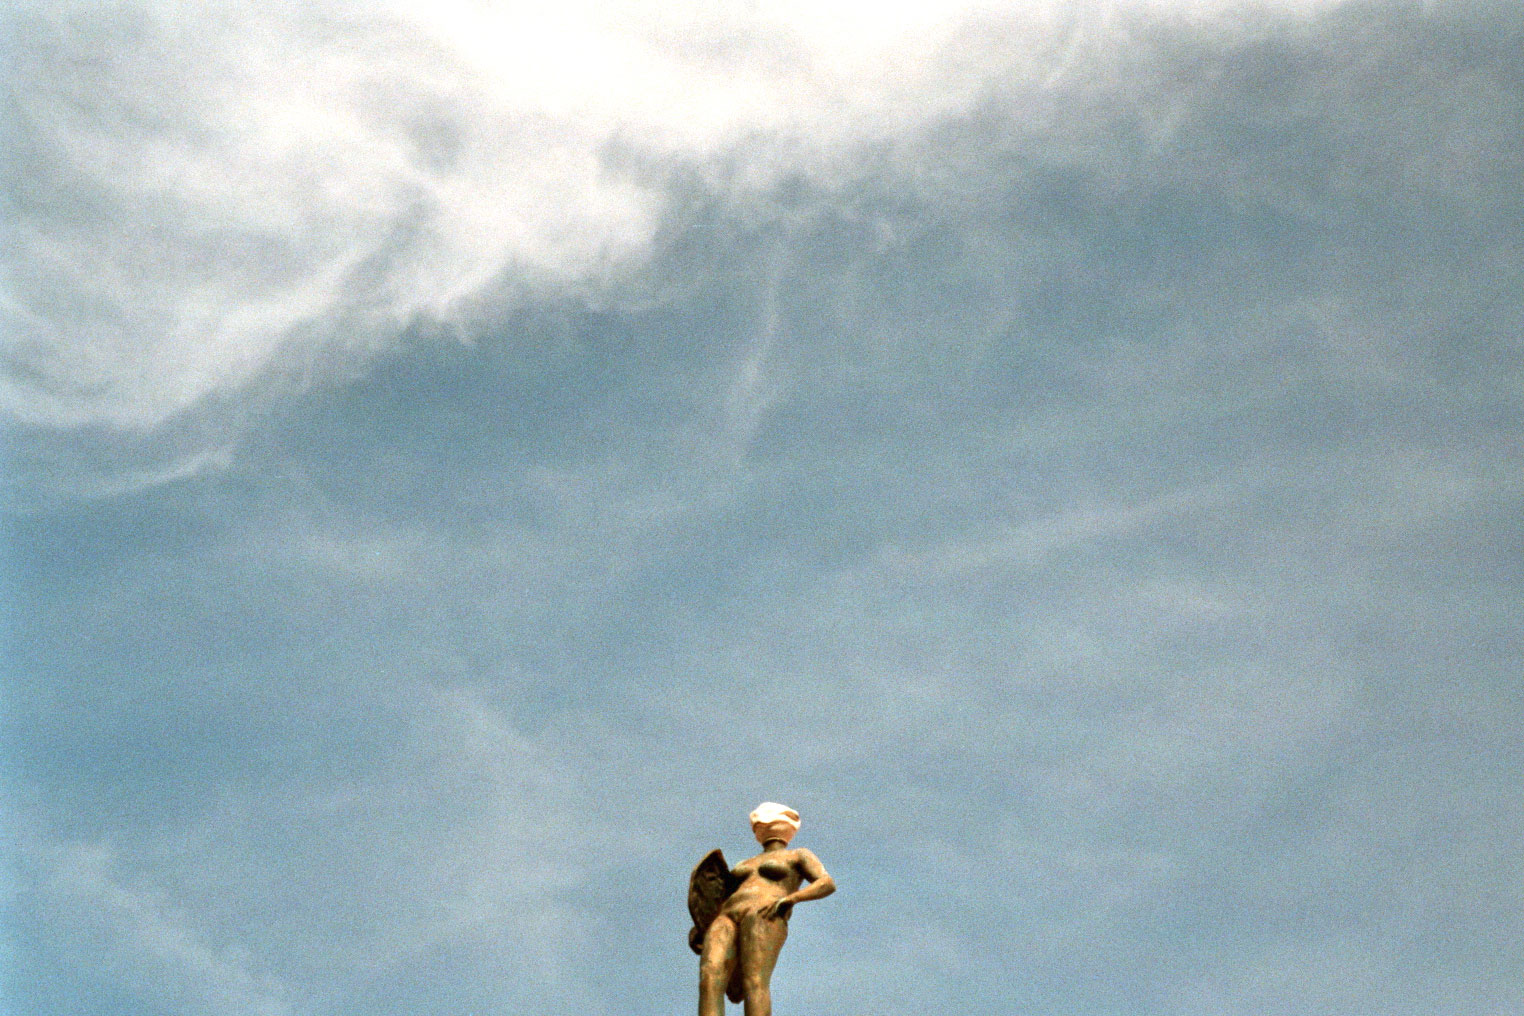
772	811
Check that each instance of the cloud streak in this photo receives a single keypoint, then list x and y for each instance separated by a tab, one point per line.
141	938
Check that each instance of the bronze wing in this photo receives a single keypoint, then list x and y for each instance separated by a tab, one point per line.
708	887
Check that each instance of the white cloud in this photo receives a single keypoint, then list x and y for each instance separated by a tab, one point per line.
215	194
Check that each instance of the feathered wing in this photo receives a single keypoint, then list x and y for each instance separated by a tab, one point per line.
708	887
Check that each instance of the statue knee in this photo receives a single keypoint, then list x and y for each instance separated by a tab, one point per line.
712	971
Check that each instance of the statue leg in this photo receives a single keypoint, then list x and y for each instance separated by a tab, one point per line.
715	964
760	941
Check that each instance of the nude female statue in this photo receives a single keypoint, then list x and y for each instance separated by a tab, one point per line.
740	917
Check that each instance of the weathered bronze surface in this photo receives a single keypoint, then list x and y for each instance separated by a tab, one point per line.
740	916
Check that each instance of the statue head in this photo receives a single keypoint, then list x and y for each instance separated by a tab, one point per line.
773	821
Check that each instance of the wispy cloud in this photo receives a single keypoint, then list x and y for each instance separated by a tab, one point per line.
143	939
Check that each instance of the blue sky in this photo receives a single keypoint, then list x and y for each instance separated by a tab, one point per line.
461	459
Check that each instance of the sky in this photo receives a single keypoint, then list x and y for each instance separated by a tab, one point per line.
459	458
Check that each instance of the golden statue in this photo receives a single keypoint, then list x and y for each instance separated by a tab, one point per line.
740	916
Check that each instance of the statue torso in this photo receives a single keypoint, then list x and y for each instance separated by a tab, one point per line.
764	878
